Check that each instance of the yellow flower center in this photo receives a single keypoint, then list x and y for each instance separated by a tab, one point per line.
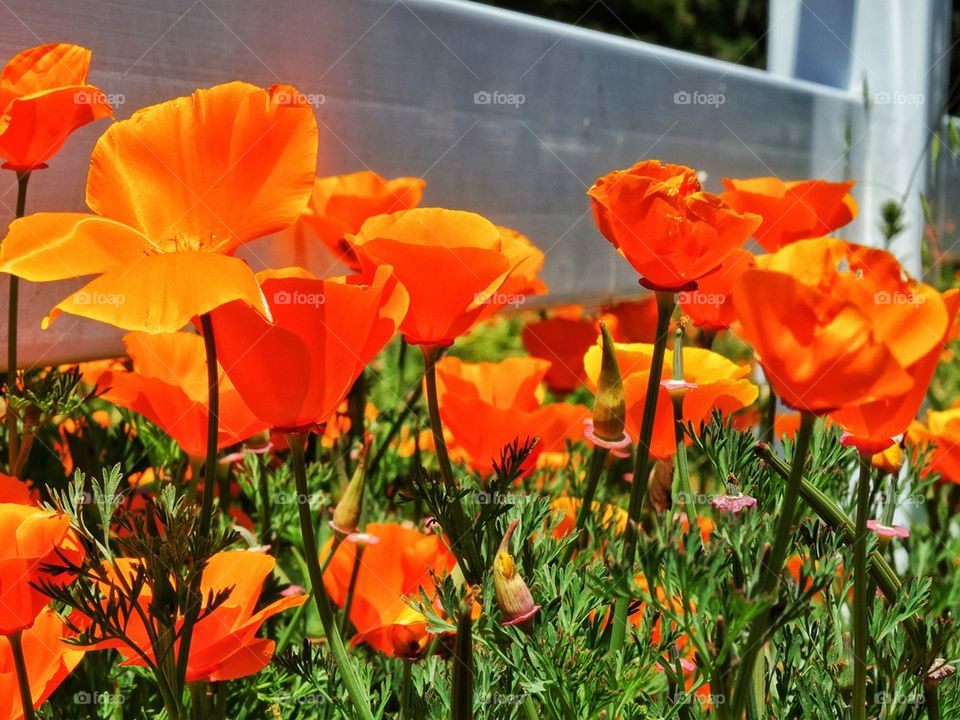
506	565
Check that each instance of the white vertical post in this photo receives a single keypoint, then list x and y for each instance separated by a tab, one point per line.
899	57
893	56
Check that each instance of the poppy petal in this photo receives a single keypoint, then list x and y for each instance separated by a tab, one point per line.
230	163
35	127
44	67
55	246
162	293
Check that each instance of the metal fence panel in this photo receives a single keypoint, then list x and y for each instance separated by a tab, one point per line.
507	115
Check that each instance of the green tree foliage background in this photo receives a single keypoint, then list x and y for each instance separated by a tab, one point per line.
732	30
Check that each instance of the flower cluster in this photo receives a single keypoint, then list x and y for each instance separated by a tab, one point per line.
620	491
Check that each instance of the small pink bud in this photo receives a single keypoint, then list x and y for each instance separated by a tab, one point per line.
733	504
612	445
677	389
362	539
888	531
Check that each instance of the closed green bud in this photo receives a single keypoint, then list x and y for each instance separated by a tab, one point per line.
609	407
346	516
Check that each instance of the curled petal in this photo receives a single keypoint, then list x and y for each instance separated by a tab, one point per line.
55	246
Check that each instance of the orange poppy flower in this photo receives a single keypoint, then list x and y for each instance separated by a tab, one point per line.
294	373
32	538
44	97
338	207
718	384
940	436
784	424
675	604
612	516
15	490
224	644
175	189
705	525
791	211
836	324
710	305
486	406
872	426
168	386
670	230
72	432
523	281
48	660
451	262
561	341
399	564
632	321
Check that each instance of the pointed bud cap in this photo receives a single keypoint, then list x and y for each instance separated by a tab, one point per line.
346	517
609	406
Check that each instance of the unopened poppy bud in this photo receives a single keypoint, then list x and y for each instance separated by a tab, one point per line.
346	517
661	485
513	595
609	406
31	416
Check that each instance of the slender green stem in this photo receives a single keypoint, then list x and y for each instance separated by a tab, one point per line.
755	700
29	435
213	422
770	571
289	629
406	691
402	359
768	419
357	693
351	588
199	701
682	468
266	511
220	692
462	540
530	707
641	466
395	426
13	314
860	600
461	701
431	355
931	696
597	461
194	596
337	539
356	407
23	680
